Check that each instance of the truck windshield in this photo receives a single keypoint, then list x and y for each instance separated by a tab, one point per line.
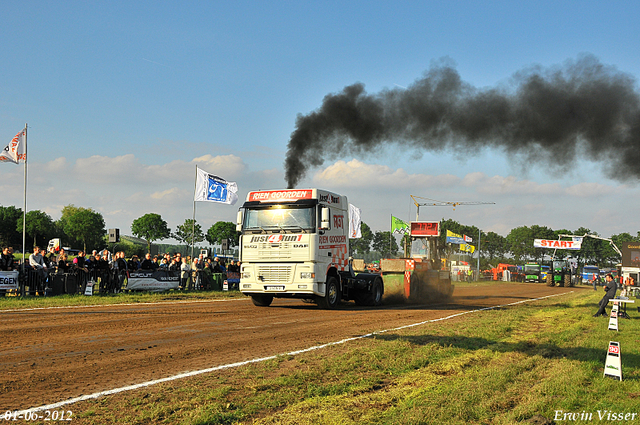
279	218
531	268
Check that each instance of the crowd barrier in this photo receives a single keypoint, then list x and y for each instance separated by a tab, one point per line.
107	281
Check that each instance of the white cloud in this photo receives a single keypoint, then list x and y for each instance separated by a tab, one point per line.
123	188
357	174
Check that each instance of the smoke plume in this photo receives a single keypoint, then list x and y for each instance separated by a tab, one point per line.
552	116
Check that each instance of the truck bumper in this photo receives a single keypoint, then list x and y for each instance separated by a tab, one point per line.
286	280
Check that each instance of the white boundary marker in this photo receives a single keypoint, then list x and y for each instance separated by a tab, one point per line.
259	360
613	363
613	318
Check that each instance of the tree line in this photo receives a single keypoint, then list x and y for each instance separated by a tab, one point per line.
517	247
84	227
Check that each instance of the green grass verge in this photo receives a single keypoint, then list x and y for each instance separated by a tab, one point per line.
13	302
501	366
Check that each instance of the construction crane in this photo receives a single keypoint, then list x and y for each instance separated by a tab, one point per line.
436	203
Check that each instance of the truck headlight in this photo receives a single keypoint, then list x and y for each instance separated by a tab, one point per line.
307	275
246	275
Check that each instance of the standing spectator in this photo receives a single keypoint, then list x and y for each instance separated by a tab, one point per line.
184	275
63	265
120	266
6	260
147	263
92	263
37	262
80	261
133	264
50	258
174	266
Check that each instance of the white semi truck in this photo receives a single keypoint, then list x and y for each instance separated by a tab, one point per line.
295	244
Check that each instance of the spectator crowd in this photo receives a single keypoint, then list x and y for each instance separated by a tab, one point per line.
103	265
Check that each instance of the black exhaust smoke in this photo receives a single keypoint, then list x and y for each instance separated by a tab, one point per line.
553	116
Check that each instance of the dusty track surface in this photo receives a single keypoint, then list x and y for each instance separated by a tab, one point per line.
52	355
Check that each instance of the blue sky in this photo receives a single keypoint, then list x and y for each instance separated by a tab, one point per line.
124	98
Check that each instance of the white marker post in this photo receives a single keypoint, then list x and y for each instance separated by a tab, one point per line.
613	364
613	319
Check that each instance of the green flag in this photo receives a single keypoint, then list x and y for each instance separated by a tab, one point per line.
399	226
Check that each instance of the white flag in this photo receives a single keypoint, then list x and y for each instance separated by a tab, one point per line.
354	222
215	189
14	151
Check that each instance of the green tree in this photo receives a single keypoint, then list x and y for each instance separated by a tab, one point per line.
589	252
86	226
494	245
385	244
38	224
9	234
521	243
189	233
223	230
150	227
362	245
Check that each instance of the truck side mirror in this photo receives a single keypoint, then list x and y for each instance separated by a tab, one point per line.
239	221
325	218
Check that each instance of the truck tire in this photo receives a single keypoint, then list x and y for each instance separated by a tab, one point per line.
372	298
332	294
377	291
262	300
550	281
567	281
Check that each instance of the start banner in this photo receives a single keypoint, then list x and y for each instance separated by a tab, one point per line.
9	280
548	243
154	281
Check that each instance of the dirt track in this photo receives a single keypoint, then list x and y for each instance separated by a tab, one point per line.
52	355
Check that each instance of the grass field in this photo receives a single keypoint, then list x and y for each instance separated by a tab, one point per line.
523	363
12	302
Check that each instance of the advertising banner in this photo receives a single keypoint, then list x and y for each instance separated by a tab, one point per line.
548	243
467	248
454	237
154	281
9	280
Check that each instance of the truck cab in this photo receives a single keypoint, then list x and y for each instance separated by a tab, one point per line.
294	243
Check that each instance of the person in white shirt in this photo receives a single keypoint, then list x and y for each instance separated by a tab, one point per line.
37	262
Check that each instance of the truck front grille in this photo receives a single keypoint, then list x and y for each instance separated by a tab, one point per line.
274	274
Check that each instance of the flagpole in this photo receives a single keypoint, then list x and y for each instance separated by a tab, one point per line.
193	224
24	204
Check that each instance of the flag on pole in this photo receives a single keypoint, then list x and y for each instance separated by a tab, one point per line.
215	189
14	151
399	226
354	222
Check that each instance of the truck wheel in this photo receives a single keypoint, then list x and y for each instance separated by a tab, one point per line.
332	296
550	281
262	300
567	281
377	290
372	298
